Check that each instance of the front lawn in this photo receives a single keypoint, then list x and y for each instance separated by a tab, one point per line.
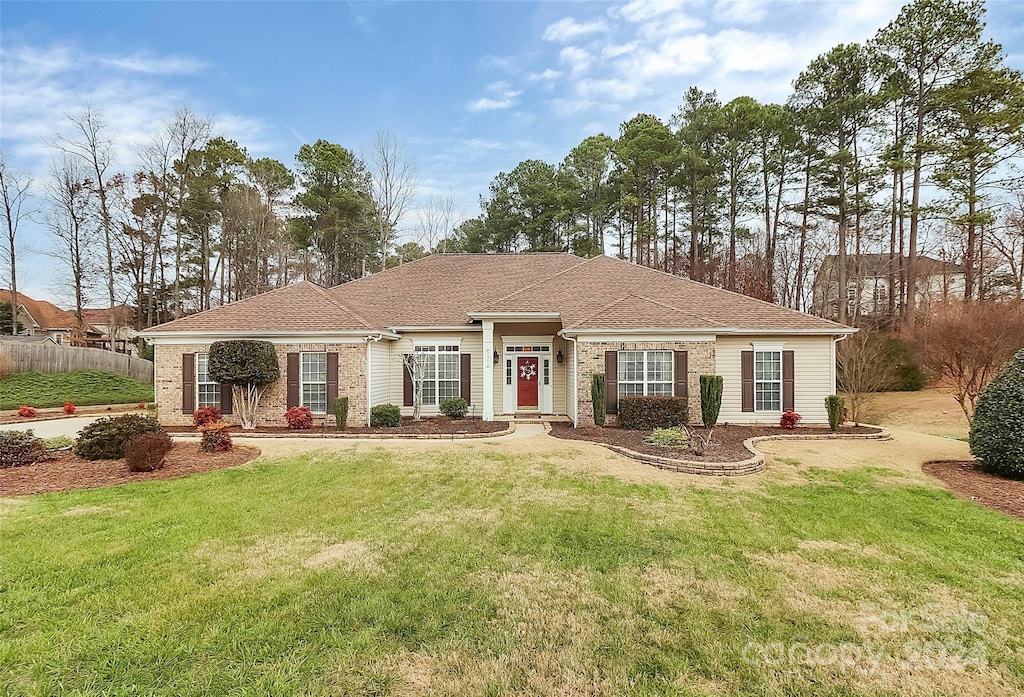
83	387
510	569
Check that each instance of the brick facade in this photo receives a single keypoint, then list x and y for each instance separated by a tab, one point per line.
273	404
700	361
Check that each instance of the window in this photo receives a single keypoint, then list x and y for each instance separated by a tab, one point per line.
646	373
207	391
313	381
441	373
851	292
881	293
768	380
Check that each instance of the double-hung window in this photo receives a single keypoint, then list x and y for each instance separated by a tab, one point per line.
441	368
645	373
207	391
767	380
313	381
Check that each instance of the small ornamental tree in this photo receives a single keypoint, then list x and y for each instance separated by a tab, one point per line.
711	387
249	367
997	432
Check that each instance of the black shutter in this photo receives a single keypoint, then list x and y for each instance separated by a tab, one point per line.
188	383
682	387
332	381
293	380
466	385
406	382
227	400
747	379
788	385
611	382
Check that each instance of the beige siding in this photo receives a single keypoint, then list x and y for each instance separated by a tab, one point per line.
558	372
469	342
813	379
380	372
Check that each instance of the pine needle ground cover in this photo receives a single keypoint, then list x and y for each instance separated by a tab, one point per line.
82	387
480	570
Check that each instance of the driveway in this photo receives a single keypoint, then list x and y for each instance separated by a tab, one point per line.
53	427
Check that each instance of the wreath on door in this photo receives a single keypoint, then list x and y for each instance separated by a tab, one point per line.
527	371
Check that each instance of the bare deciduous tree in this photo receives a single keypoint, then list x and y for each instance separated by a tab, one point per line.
393	184
864	370
416	365
966	344
14	197
435	222
68	219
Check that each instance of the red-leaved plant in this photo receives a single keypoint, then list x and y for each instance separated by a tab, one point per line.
299	417
69	408
216	437
205	415
26	412
788	420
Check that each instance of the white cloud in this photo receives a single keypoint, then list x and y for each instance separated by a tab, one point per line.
546	75
501	96
567	29
156	65
576	58
741	11
641	10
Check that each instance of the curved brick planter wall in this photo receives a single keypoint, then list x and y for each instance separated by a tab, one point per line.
298	433
751	465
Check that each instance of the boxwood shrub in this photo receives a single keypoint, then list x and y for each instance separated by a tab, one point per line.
105	439
646	413
385	416
20	448
454	408
997	432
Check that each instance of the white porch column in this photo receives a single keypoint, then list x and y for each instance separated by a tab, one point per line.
488	370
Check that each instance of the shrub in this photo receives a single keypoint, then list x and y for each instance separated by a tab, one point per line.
997	432
711	387
599	396
26	412
206	415
20	448
299	418
146	452
59	443
341	412
454	408
835	408
216	438
249	367
788	420
385	416
105	438
643	413
669	437
69	408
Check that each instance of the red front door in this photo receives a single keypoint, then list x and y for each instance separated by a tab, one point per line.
529	376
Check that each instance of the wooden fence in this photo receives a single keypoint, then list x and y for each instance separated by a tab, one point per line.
16	357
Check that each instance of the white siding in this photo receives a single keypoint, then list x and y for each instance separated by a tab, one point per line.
813	377
380	372
469	342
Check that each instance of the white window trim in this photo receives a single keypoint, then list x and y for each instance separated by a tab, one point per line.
303	383
198	384
770	348
671	382
437	380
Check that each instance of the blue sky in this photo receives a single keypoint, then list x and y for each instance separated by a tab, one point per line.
471	87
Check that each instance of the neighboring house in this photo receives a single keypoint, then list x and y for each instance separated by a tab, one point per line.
114	322
867	284
27	339
512	334
42	318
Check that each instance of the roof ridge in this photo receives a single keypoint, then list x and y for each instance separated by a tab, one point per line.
547	278
341	305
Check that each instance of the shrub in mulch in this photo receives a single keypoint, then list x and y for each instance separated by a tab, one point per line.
69	408
669	437
146	452
20	448
216	438
299	418
789	420
105	439
997	431
646	413
27	412
341	413
206	415
385	416
454	408
836	408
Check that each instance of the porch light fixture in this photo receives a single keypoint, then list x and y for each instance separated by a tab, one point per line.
559	357
497	358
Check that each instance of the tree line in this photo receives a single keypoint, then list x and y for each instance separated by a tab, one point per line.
920	128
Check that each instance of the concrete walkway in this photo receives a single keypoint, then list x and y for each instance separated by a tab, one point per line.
53	427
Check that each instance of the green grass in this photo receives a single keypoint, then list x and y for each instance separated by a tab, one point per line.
474	572
83	387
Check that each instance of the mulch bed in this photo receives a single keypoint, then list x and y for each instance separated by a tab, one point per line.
967	480
433	426
729	438
66	471
53	413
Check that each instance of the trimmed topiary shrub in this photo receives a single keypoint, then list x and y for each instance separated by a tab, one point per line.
711	387
206	415
669	437
645	413
146	452
20	448
834	406
105	439
454	408
385	416
341	412
997	431
249	367
599	395
216	438
299	418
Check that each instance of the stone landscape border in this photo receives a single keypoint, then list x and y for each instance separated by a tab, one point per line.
751	465
361	436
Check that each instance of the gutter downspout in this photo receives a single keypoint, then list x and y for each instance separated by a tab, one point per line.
369	369
575	381
835	342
